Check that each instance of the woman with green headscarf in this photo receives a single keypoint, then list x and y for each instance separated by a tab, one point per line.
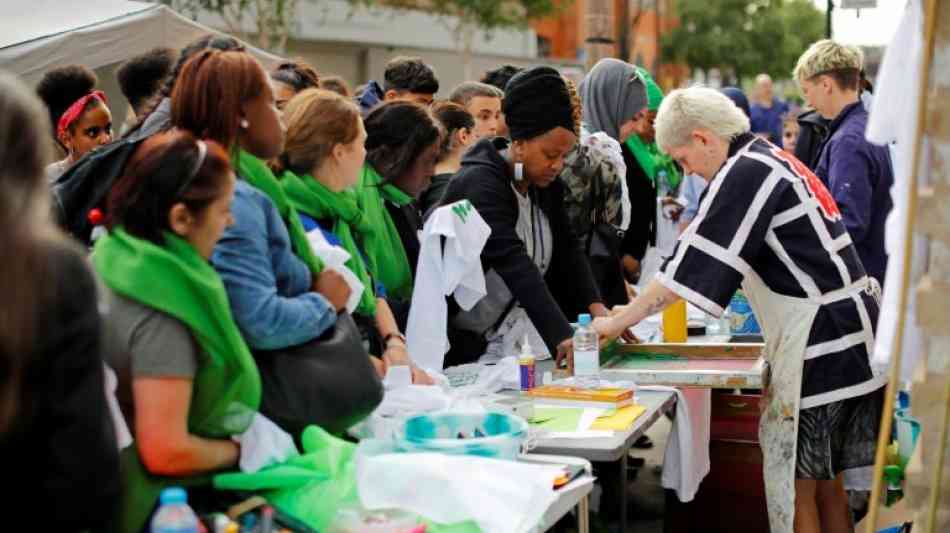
322	161
651	174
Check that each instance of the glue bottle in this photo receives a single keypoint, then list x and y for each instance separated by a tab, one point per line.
526	365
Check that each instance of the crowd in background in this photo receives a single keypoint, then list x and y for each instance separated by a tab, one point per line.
177	272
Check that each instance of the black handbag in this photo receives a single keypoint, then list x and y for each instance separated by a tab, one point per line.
603	251
603	240
329	381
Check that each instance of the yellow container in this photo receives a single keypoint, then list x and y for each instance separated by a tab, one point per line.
674	322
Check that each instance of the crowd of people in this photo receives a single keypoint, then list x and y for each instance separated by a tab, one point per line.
210	320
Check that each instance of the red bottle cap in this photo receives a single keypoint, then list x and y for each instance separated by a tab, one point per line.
95	216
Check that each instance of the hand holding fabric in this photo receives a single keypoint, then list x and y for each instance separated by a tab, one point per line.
333	287
264	444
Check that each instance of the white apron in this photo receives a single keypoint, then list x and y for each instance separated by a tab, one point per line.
786	323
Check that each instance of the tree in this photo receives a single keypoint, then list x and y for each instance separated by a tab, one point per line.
273	19
743	38
465	18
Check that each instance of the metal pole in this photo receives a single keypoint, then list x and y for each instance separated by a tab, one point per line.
624	36
831	7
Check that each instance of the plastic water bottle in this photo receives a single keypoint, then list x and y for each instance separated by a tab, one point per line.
174	515
586	352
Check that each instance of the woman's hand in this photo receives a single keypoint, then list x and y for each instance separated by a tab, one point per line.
631	268
607	328
379	365
565	355
397	355
598	309
420	377
333	287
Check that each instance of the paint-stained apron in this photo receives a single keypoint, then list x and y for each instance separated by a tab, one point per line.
786	323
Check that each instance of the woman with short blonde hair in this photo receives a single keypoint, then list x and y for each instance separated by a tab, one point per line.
769	225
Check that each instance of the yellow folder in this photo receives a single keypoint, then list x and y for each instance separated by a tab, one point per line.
619	419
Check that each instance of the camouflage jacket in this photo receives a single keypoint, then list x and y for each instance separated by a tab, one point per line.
595	157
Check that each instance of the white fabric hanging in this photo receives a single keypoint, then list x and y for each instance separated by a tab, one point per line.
455	269
893	119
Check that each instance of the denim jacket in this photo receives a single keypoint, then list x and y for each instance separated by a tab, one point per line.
268	286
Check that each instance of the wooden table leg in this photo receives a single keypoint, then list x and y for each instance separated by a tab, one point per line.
583	515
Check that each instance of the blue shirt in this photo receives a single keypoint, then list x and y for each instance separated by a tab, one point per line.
859	176
769	120
690	193
310	224
268	286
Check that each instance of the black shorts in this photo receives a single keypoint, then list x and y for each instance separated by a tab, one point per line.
838	436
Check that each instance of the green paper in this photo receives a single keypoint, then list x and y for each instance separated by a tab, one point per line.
557	418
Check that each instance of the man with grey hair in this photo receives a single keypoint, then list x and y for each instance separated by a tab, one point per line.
483	102
858	173
767	111
768	224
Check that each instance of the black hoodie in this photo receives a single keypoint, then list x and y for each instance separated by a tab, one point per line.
812	132
485	180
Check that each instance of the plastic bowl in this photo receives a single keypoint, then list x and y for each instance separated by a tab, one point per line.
495	435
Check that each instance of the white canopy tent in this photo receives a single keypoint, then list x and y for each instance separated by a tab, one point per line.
38	35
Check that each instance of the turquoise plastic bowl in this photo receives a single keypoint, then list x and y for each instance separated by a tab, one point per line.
495	435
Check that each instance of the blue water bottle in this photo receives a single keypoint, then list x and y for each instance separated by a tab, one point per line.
174	515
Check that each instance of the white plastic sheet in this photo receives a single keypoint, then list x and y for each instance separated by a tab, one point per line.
500	496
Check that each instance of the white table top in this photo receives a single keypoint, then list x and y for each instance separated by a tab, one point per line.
611	448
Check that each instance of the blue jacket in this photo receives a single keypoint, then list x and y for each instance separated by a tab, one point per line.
372	96
769	120
859	175
268	286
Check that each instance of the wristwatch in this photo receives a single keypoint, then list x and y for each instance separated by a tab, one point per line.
395	335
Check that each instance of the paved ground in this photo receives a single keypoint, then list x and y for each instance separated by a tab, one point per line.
646	496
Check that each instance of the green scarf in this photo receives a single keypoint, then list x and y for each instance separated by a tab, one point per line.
307	195
255	172
177	281
653	161
384	250
654	93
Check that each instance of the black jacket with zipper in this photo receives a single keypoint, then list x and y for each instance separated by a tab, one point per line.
485	180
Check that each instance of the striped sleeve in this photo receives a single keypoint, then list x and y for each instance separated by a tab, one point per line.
714	254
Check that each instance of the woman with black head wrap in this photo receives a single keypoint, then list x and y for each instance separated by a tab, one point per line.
512	184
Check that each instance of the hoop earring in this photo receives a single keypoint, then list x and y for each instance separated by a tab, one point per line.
519	171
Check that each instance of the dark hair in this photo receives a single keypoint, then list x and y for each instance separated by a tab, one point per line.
336	84
161	173
738	97
453	117
141	77
61	87
27	280
500	76
845	78
212	41
410	74
396	135
297	74
210	91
